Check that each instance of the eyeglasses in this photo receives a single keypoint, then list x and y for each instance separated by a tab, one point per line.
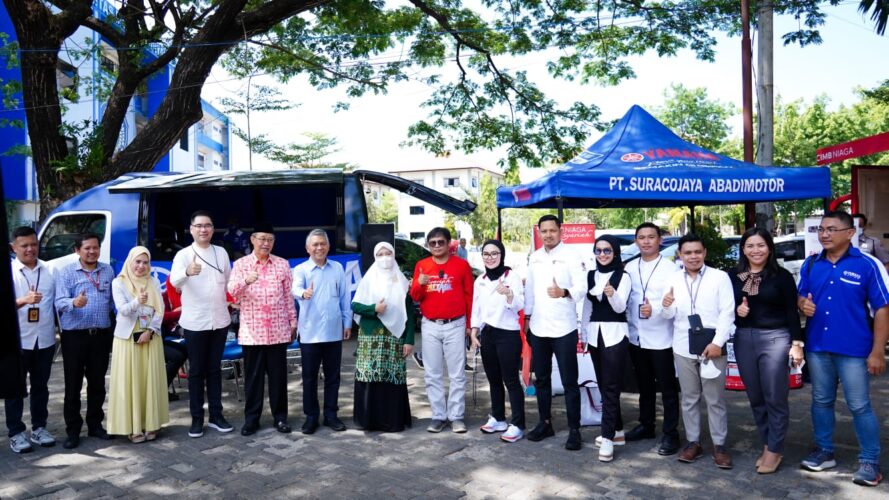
490	255
600	251
436	243
830	230
202	226
265	239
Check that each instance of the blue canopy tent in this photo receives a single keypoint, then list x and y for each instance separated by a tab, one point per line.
642	163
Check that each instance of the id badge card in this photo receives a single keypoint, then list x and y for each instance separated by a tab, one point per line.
33	315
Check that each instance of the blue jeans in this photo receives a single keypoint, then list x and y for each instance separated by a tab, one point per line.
826	369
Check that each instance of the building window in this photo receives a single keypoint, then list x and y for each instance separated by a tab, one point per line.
474	182
417	236
452	182
183	142
66	75
418	210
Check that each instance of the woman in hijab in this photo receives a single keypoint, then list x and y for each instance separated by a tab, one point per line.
137	405
768	331
607	335
497	300
385	315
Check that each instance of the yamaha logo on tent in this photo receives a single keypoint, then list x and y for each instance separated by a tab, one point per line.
632	157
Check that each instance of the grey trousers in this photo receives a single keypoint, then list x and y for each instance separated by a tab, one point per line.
762	361
713	391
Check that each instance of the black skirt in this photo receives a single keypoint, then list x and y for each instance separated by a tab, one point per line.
381	406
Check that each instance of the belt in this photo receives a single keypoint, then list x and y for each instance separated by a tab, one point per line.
445	321
89	331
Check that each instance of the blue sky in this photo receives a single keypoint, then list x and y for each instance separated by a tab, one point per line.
370	133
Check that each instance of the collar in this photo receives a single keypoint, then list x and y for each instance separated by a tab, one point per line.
554	250
17	264
851	251
700	273
80	267
313	265
257	260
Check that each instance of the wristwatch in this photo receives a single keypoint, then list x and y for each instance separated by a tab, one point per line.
798	343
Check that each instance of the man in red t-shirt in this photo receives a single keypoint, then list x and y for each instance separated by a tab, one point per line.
443	286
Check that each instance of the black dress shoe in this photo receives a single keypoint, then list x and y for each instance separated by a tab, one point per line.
541	431
283	427
335	424
669	446
71	442
639	433
249	430
574	441
98	432
310	425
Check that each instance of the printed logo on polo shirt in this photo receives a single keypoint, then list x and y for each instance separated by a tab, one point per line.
440	285
850	274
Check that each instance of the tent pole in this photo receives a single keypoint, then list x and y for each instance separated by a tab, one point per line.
561	209
691	219
499	225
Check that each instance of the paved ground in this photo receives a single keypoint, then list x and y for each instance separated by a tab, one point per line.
416	464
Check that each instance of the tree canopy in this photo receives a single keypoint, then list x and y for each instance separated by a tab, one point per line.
363	46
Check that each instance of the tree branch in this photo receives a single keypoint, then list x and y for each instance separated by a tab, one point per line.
332	71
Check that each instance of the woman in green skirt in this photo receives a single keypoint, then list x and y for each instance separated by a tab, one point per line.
385	315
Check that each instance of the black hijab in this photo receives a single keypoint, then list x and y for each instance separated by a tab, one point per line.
616	265
494	273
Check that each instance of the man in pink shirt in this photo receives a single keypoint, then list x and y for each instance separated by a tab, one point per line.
261	282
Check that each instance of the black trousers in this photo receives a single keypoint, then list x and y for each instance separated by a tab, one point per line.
609	364
37	364
205	369
501	357
565	350
655	370
175	354
261	361
85	354
314	356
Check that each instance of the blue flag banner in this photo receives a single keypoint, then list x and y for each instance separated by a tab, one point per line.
642	163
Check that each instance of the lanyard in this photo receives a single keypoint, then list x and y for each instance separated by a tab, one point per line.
217	267
32	287
694	297
89	277
645	285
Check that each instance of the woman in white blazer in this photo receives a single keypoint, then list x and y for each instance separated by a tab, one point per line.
137	405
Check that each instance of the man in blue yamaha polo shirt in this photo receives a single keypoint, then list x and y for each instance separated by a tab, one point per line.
836	289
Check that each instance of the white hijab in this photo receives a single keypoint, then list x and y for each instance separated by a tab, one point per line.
389	285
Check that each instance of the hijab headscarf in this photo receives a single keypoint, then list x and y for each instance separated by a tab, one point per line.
494	273
380	282
135	284
616	266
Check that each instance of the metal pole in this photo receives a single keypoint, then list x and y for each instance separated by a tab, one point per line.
561	209
747	100
691	219
499	225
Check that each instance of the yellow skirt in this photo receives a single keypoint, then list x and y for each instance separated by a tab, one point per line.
138	393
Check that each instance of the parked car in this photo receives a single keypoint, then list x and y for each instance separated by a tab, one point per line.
790	251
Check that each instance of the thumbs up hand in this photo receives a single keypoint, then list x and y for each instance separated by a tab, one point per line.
554	291
80	300
743	309
668	298
645	310
608	290
251	277
380	308
309	291
808	307
423	279
194	268
143	295
33	297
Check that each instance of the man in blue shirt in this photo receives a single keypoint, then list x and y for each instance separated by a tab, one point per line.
83	303
325	319
837	289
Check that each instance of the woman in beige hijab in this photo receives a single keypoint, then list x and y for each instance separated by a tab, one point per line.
137	405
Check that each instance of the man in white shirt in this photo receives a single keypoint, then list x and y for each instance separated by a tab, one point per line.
556	282
34	289
701	297
651	340
201	271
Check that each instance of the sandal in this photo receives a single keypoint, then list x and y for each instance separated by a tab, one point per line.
150	436
137	438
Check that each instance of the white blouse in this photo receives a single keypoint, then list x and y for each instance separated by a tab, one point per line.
492	308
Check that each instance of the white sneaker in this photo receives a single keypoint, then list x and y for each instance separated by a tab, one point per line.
493	425
619	439
606	450
19	443
41	436
512	434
